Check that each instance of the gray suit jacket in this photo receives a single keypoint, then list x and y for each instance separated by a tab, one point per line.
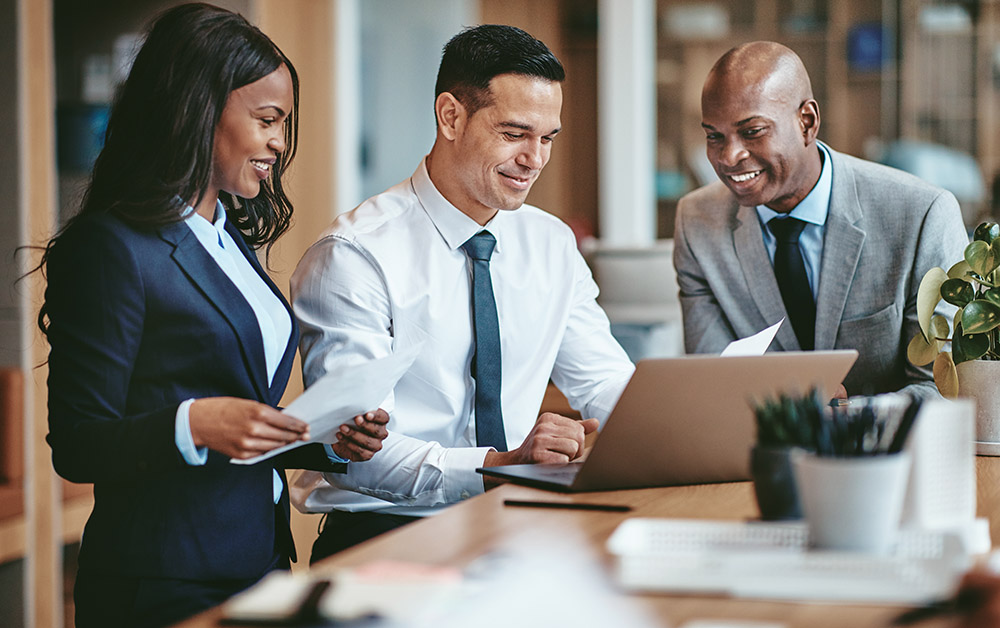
884	230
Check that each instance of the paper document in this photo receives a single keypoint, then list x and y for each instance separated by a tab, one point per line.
756	344
342	394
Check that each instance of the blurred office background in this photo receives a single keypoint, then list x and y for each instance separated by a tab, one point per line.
913	83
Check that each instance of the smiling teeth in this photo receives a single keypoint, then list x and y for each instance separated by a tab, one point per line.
260	164
740	178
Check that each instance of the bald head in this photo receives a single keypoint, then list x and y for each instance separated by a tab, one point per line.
765	67
761	123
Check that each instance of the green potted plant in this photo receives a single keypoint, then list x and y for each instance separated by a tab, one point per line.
972	366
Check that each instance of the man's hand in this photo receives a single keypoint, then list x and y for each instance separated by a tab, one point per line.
841	392
359	442
241	428
553	439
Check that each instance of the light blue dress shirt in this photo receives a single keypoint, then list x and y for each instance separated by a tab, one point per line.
812	210
272	317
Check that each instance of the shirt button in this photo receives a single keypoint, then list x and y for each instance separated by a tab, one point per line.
465	495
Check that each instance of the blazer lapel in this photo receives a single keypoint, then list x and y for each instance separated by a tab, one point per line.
199	266
282	373
759	276
841	251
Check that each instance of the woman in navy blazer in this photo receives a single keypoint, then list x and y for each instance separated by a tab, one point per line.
170	346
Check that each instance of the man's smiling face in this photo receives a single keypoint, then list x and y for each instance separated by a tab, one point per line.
758	141
503	146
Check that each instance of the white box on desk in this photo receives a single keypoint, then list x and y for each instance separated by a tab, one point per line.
942	489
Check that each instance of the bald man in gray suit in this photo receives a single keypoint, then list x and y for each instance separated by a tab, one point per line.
863	235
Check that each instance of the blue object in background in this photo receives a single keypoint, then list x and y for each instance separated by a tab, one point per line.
944	167
939	165
867	47
671	184
80	135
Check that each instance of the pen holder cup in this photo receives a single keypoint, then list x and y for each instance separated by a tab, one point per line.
774	483
852	504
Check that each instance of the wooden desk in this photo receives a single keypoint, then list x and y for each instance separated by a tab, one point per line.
471	529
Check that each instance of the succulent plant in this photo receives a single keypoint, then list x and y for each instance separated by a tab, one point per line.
972	286
789	421
862	428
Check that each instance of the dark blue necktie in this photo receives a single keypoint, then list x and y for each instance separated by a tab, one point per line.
486	361
790	271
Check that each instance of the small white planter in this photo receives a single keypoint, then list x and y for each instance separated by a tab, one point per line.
852	504
980	380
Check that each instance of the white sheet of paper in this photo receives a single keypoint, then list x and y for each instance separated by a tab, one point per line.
342	394
756	344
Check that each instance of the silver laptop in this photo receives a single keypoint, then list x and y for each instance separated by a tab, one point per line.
686	420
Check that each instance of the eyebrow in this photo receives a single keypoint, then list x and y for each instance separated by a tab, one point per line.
526	127
281	112
740	123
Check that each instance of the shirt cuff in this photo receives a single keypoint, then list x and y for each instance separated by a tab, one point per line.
194	456
459	477
277	486
332	455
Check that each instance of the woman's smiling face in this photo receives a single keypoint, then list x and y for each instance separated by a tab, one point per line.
251	134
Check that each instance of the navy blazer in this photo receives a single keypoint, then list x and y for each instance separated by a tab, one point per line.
140	321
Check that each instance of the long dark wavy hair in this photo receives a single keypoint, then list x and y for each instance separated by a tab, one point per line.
157	153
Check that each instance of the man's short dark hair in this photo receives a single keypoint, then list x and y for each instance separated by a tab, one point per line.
477	54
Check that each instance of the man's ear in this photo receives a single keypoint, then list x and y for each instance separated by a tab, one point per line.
450	115
809	120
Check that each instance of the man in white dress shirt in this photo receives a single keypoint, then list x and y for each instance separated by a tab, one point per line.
393	273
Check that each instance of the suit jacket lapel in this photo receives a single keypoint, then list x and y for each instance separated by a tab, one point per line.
284	369
759	276
841	251
199	266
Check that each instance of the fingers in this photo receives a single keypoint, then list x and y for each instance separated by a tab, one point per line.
378	416
241	428
365	440
264	432
372	424
355	446
284	422
556	438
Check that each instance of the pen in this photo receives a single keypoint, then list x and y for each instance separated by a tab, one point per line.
567	505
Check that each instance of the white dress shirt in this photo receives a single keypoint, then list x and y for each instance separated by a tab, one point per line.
390	275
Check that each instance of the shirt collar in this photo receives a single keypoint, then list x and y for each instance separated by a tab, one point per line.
205	230
816	205
452	223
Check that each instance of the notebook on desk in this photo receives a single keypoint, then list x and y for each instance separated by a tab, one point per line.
685	420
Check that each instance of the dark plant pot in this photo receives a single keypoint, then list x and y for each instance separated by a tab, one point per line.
774	483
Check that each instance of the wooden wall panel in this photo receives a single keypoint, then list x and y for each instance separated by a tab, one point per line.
305	32
543	19
36	79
